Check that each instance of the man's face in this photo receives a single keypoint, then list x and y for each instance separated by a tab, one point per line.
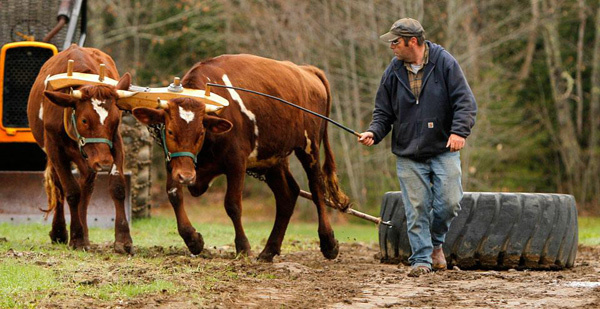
400	50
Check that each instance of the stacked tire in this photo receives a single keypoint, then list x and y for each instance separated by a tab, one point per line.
494	231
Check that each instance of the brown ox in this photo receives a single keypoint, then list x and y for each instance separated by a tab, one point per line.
97	119
262	134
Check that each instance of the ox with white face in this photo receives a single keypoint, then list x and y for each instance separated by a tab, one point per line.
185	122
96	118
265	133
80	128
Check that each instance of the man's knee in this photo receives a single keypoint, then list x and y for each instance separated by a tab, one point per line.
450	209
448	205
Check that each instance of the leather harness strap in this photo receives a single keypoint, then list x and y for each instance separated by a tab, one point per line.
70	123
169	155
67	121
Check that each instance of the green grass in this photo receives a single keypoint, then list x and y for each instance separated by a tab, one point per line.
19	281
589	231
163	231
34	272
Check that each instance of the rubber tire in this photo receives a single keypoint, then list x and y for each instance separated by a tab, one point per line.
494	231
138	160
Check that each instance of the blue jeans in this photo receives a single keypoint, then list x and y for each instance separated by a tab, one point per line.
431	192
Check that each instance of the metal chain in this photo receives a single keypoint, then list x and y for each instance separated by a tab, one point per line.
256	175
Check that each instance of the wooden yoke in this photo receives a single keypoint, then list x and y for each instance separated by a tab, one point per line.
137	96
149	97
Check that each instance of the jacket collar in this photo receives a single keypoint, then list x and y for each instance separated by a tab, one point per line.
401	73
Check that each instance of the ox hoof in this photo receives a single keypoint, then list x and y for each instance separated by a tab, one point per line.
123	248
266	257
330	252
196	244
242	247
79	244
59	237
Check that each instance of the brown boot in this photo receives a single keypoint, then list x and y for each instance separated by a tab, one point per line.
418	271
438	259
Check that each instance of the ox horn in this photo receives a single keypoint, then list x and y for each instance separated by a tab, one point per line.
212	108
125	94
162	104
76	94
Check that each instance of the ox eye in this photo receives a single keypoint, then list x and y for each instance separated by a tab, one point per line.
170	132
84	121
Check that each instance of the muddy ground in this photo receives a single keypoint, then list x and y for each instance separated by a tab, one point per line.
304	279
357	280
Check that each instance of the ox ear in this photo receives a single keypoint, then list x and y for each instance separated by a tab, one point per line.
60	99
149	115
124	82
216	125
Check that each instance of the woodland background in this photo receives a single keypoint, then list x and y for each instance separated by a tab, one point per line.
534	67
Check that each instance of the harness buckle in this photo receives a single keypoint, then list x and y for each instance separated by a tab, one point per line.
81	142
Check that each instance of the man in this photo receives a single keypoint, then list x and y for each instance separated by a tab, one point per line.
425	97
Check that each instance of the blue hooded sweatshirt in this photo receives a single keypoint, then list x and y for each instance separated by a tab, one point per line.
422	126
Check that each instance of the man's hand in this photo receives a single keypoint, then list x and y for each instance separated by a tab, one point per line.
366	138
455	142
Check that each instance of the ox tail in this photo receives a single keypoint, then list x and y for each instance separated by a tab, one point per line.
52	191
339	199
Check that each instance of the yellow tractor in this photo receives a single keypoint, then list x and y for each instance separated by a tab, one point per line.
32	31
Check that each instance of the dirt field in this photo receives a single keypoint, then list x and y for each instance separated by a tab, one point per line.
304	279
357	280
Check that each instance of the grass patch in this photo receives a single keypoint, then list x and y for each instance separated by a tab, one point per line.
22	285
161	231
589	231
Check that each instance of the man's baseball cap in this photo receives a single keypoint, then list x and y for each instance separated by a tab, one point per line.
403	27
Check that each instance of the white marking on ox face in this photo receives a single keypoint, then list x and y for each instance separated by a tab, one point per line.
114	170
102	112
235	96
188	116
41	113
173	191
